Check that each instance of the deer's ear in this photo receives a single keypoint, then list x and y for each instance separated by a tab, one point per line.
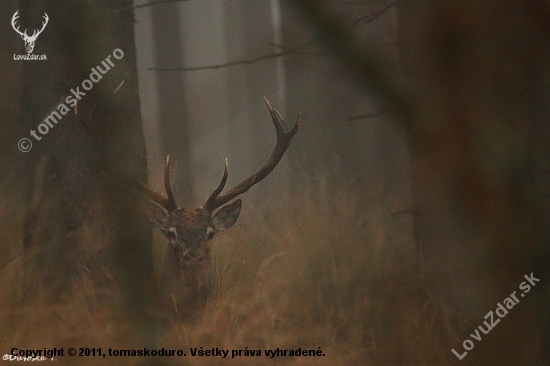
227	215
157	217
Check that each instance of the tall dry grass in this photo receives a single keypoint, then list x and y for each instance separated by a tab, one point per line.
323	271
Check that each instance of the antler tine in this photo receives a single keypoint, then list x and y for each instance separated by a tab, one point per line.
168	203
171	200
36	32
210	201
154	195
14	26
279	122
44	23
283	142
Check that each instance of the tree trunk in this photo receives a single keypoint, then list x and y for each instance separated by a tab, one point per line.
84	164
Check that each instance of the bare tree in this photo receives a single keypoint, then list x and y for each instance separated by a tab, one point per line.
81	168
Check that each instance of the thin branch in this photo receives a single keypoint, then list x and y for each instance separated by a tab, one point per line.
368	69
368	115
240	62
6	263
307	53
362	20
141	6
321	55
219	66
360	3
374	15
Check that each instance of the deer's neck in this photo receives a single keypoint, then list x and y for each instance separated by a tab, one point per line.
185	288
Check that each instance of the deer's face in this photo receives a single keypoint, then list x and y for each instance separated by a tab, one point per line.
190	234
29	43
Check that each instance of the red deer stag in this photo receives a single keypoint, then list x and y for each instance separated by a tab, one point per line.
188	278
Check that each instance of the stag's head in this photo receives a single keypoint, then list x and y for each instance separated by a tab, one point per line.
29	40
190	233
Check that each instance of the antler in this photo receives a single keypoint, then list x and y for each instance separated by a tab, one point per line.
283	141
36	33
24	34
168	203
13	19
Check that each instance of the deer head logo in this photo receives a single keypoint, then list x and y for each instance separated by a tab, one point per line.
29	40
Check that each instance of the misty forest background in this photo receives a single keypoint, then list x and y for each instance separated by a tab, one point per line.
414	198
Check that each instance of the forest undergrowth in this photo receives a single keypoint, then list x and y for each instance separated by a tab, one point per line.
321	272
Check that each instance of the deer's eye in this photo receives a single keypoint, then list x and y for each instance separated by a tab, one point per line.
171	233
209	233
